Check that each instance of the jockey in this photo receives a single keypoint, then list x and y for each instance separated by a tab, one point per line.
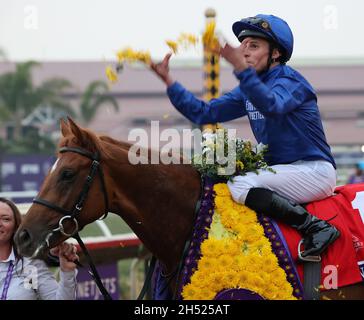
282	109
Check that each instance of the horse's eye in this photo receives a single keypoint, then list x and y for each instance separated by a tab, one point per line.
67	175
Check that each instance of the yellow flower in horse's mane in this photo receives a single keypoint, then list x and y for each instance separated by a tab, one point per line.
241	256
111	75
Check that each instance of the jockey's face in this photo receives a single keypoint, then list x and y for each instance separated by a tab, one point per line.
256	53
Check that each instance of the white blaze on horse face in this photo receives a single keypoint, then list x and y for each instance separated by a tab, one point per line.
54	166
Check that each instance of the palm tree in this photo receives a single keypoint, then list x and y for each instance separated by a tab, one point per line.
19	97
95	95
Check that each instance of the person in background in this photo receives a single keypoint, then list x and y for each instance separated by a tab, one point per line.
358	176
22	278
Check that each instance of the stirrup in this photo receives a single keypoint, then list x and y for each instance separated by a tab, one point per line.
307	258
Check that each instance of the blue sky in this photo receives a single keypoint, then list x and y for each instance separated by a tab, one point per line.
94	30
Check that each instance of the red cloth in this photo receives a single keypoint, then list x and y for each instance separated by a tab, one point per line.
348	250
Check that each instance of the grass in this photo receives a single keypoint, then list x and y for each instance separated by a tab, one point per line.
115	224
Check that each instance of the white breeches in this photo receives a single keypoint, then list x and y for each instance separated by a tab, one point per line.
300	181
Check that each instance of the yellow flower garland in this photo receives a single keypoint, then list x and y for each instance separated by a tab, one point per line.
236	255
185	40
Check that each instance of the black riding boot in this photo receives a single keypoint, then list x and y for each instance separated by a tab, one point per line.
317	234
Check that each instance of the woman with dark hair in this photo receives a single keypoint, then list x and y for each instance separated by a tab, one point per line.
23	278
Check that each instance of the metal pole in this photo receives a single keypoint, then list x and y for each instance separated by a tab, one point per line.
211	67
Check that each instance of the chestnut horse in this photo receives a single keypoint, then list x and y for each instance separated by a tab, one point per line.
157	201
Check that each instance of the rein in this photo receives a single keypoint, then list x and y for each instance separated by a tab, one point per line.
76	210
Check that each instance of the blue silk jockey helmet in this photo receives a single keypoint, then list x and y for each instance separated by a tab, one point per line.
268	27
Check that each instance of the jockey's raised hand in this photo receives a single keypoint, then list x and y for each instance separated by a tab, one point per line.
236	56
161	69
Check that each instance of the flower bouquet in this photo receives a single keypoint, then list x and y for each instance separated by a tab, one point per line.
222	155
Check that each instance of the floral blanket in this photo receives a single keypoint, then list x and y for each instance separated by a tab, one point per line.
234	254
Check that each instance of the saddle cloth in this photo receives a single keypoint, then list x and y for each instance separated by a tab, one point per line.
345	257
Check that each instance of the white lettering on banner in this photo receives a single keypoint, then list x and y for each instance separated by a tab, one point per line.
88	289
358	203
30	169
8	168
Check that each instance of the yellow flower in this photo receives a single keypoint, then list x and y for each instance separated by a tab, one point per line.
189	292
186	39
172	45
221	190
225	260
130	55
239	257
111	75
231	279
239	165
207	264
208	36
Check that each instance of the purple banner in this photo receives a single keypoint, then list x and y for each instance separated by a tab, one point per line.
87	288
24	173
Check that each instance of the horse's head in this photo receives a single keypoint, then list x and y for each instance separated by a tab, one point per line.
63	204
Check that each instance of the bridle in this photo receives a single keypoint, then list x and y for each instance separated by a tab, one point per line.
77	208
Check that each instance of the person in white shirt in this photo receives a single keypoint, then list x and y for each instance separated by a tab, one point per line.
23	278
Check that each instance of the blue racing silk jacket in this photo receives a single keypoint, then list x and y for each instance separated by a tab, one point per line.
281	106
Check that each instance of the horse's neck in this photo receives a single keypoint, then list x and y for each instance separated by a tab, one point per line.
157	202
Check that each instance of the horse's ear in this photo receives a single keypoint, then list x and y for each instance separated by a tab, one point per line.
76	130
83	137
65	129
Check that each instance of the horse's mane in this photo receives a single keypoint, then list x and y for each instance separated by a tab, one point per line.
102	144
